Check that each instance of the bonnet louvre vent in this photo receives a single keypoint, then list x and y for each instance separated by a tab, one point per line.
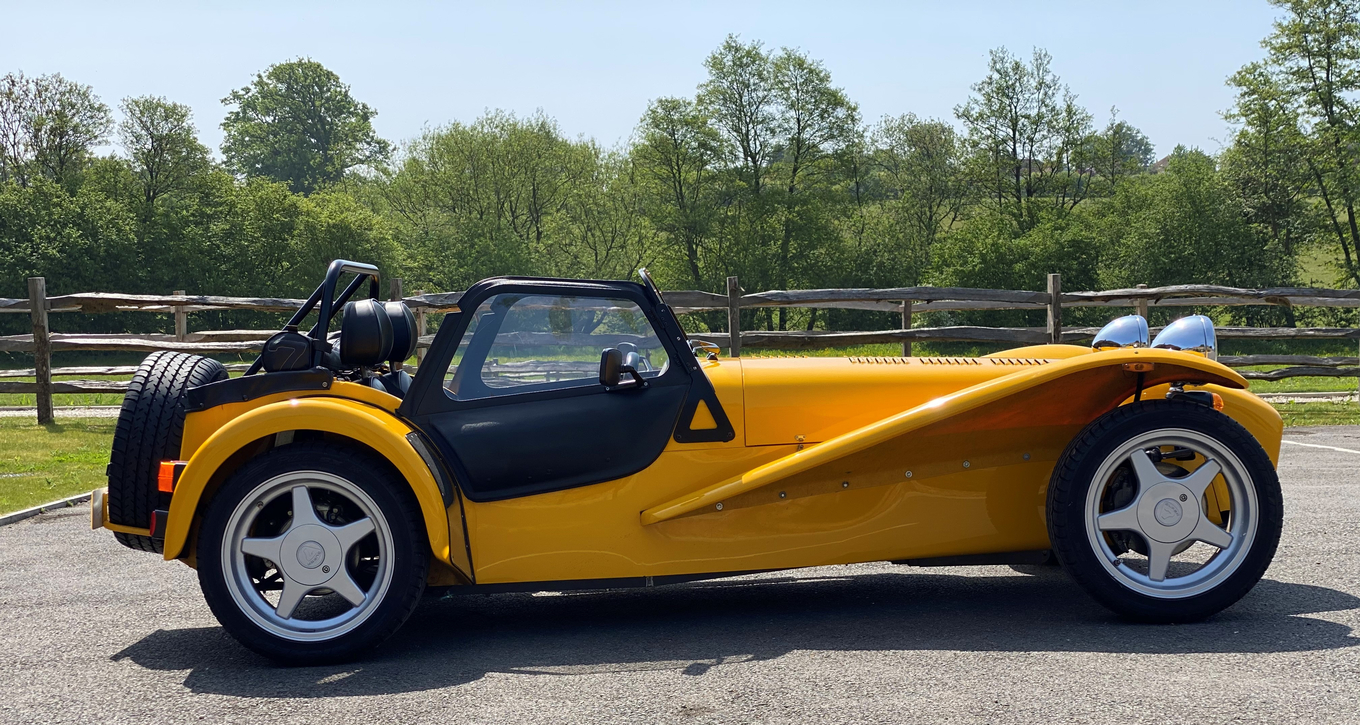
921	360
1009	361
880	360
950	360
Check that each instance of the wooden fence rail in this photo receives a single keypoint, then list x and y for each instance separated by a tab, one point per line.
905	301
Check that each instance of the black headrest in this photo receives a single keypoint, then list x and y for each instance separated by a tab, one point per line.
404	336
365	334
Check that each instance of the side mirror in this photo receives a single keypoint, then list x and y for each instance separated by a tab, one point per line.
612	370
611	367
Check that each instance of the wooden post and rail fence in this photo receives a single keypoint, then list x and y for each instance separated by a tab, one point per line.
905	301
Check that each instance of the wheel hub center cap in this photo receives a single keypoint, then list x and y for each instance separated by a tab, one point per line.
1167	512
311	555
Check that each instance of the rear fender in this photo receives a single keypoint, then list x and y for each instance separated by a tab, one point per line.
376	428
1023	419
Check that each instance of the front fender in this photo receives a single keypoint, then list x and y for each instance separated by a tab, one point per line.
376	428
1035	411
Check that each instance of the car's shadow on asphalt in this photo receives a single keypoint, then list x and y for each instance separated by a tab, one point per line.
693	628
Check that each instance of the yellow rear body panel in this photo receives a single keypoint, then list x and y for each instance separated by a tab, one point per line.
236	430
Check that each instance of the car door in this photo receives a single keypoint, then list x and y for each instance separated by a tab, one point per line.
519	408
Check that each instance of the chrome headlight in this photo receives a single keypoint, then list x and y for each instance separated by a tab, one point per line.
1127	331
1190	334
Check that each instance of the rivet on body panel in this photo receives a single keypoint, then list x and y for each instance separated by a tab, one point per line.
1026	456
720	505
783	494
966	464
846	484
908	474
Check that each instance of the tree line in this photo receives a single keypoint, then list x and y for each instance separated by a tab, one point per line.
767	171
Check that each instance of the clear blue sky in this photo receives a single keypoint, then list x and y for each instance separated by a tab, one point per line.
593	66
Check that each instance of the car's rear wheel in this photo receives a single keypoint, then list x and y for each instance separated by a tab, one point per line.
150	426
1165	511
312	553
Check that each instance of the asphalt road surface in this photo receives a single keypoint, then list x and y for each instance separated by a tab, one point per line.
93	632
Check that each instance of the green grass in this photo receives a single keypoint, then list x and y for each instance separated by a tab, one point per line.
42	463
1319	413
1299	385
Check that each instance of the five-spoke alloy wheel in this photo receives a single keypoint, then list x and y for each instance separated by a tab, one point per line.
1165	510
312	552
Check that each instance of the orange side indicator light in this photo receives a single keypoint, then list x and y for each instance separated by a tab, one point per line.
168	475
1218	401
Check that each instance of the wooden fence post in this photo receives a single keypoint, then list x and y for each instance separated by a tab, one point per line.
734	316
1140	306
420	330
1055	308
906	325
394	294
181	320
42	347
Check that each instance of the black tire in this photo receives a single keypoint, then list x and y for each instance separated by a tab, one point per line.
1074	476
150	427
395	504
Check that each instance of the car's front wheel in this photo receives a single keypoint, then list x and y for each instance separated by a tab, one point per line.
312	553
1165	510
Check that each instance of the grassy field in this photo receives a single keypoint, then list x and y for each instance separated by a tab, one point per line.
1319	413
39	463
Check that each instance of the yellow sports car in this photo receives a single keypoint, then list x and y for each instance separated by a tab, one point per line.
567	434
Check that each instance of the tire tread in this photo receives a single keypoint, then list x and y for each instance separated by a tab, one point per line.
150	428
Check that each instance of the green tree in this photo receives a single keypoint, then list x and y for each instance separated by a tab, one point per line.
1313	56
162	145
80	242
1267	161
739	97
1119	151
603	230
14	136
675	156
297	123
1184	226
49	127
817	121
483	199
922	166
1027	136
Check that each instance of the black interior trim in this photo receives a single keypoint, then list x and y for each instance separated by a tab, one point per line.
441	478
237	390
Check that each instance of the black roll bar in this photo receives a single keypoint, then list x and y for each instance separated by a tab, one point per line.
325	294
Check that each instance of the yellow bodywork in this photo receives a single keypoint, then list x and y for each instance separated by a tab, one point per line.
835	460
213	437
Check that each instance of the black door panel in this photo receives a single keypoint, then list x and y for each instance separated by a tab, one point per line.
515	449
507	434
